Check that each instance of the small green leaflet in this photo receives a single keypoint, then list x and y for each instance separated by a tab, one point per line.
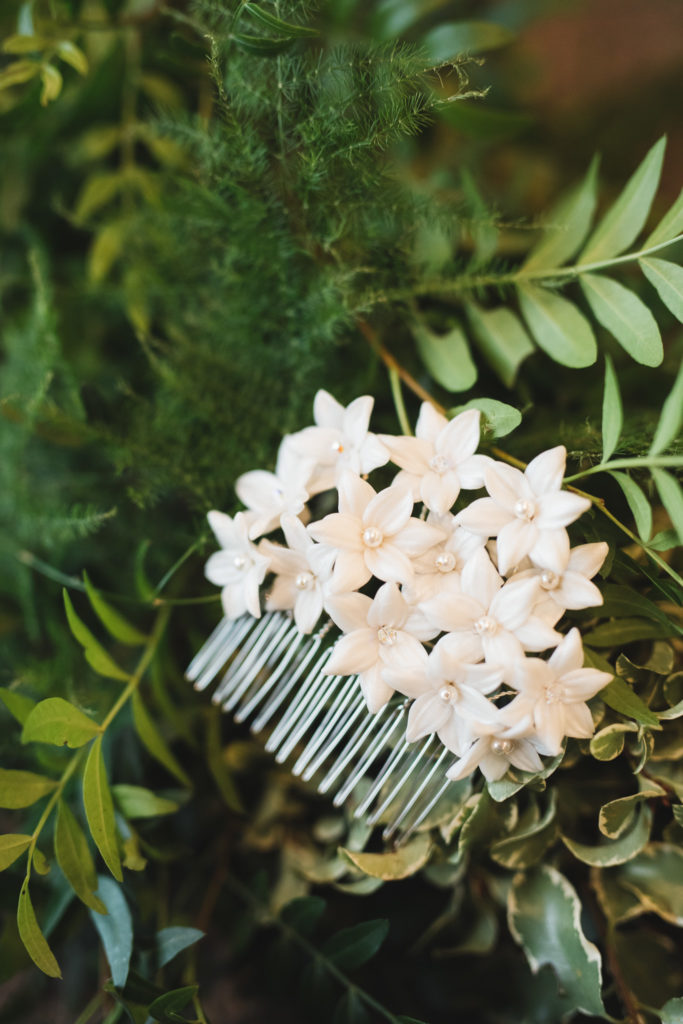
112	620
608	743
667	278
557	326
166	1008
95	654
354	946
32	937
99	809
446	356
21	789
670	421
569	223
502	339
672	497
656	876
637	502
138	802
526	847
498	418
115	929
11	847
619	696
617	815
154	741
40	862
18	705
615	851
669	227
464	37
672	1012
56	721
173	940
74	858
612	412
625	219
625	316
393	864
303	913
625	631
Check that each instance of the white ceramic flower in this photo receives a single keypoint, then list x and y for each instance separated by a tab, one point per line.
438	570
373	534
572	588
268	496
552	694
527	512
376	633
494	749
239	568
303	571
440	459
340	441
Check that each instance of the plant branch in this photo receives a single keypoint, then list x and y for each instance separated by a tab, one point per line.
143	664
635	463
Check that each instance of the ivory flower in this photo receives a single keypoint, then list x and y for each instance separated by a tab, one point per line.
438	570
494	749
239	568
440	459
269	496
572	588
373	534
303	571
527	512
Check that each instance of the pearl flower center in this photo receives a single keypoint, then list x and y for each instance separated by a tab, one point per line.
303	580
549	580
386	636
524	509
504	747
372	537
445	561
239	561
448	693
554	693
439	464
486	626
337	447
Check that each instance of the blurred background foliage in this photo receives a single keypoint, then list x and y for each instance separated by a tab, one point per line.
197	227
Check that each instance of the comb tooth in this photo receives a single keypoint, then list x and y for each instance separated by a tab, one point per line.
282	636
397	784
212	643
222	652
334	714
341	736
305	720
296	707
389	765
283	692
429	807
252	699
246	658
383	724
428	774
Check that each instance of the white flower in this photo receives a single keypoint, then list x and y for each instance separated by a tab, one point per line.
552	694
303	570
440	459
572	588
489	619
438	570
373	534
495	749
239	568
340	441
527	512
447	694
271	495
376	633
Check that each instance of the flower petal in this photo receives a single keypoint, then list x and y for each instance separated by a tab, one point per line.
308	608
389	608
389	510
459	439
536	634
568	655
578	721
416	537
355	494
339	531
559	509
577	592
551	550
376	692
350	572
224	528
451	613
356	419
439	491
353	652
506	485
584	683
485	517
587	559
410	453
515	540
502	649
372	454
349	611
409	677
472	472
430	423
427	714
546	471
388	563
479	578
327	412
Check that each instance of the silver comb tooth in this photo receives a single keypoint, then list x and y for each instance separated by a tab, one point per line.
307	717
299	703
431	805
428	774
388	767
246	657
212	643
283	636
381	723
263	688
332	719
283	692
222	652
396	786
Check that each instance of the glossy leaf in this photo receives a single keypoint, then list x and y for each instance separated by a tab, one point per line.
40	862
672	497
641	509
154	741
22	789
456	38
671	419
625	631
527	846
625	316
656	876
393	864
569	223
95	654
11	847
615	851
18	704
354	946
670	226
99	809
446	356
166	1008
557	326
58	722
74	858
667	278
138	802
497	419
33	938
608	743
173	940
113	621
72	55
616	815
612	412
502	339
115	929
672	1012
544	915
626	217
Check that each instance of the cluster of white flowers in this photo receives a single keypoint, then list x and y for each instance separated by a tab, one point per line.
467	601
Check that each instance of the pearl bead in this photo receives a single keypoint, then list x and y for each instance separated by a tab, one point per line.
372	537
303	581
386	635
524	509
439	463
447	693
549	580
239	561
445	561
485	626
502	746
337	447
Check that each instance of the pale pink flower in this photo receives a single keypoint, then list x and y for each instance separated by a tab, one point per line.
269	496
303	572
239	568
527	512
440	459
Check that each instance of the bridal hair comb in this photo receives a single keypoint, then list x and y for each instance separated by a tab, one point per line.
426	666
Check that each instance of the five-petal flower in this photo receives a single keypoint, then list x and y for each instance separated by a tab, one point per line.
239	567
303	570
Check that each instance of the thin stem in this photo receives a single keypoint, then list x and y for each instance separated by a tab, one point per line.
56	794
399	405
177	564
635	463
170	602
393	364
90	1009
148	654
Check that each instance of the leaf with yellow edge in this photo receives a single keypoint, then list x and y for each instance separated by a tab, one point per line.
396	864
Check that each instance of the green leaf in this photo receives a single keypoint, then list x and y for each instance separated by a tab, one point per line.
18	705
40	862
112	620
351	1010
303	913
558	327
73	55
669	227
464	37
24	44
569	223
167	1008
502	339
94	652
608	743
446	356
56	721
672	498
393	864
667	278
286	28
11	847
98	190
99	809
216	762
625	631
154	742
672	1012
74	858
19	71
544	915
526	847
625	316
498	418
624	220
354	946
615	851
616	816
641	509
138	802
671	419
260	46
173	940
612	412
32	937
52	84
656	876
115	929
619	696
22	789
